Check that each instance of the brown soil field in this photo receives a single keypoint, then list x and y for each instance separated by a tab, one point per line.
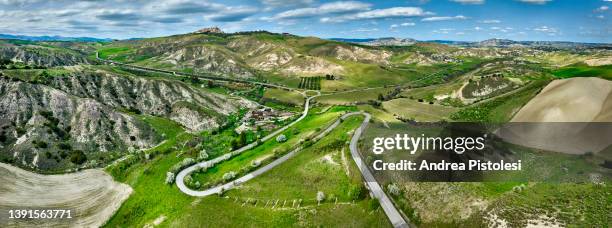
570	115
92	195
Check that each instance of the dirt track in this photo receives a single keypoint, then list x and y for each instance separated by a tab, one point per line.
91	194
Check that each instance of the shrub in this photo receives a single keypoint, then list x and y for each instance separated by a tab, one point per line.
281	138
64	146
188	179
203	155
373	204
229	175
394	189
181	165
201	169
320	197
78	157
357	192
40	144
63	154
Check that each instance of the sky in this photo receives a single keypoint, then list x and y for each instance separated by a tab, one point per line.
461	20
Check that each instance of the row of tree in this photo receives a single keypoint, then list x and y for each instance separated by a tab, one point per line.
312	83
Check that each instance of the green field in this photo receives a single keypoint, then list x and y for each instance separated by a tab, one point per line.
349	97
299	177
284	96
556	185
419	111
152	199
311	83
301	131
583	70
500	109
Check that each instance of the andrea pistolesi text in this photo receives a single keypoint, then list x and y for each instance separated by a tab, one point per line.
459	145
477	165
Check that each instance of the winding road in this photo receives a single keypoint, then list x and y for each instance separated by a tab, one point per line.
180	177
377	191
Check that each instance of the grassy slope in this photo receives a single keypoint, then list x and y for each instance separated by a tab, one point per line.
345	98
308	127
566	195
502	108
583	70
299	178
152	198
283	96
411	109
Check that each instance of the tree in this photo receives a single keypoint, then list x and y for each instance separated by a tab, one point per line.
281	138
229	175
394	189
243	138
320	197
78	157
195	79
255	164
169	177
381	97
203	155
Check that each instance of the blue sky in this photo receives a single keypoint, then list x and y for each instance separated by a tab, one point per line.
470	20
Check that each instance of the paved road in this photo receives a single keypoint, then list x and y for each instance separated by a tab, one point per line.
392	213
180	177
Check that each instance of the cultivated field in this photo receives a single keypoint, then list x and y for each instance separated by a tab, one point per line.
91	194
411	109
579	109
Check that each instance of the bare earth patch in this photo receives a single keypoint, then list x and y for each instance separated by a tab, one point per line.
92	195
579	103
599	62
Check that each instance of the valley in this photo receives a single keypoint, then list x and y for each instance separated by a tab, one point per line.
258	128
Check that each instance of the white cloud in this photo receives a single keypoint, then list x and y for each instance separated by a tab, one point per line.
394	12
18	2
458	17
477	28
537	2
490	21
476	2
231	14
601	17
548	30
365	30
325	9
286	3
602	9
443	30
406	24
